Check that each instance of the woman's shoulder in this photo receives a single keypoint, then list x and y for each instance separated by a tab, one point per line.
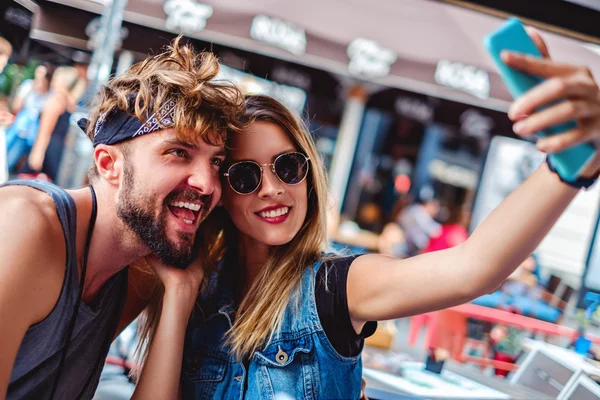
338	260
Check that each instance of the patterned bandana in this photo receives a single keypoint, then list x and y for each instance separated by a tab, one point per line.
117	125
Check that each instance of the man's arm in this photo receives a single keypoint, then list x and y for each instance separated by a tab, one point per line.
32	250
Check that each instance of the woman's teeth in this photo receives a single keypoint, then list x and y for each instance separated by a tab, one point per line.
274	213
189	206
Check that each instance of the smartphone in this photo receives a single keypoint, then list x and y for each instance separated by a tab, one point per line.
512	36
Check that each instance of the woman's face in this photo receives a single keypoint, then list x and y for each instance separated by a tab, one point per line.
274	213
40	81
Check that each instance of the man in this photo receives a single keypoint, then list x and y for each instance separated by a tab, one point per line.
65	289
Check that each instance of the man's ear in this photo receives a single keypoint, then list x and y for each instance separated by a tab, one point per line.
109	162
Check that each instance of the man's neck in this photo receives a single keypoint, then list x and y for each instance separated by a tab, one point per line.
112	247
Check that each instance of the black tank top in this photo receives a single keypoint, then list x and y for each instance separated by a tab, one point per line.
37	361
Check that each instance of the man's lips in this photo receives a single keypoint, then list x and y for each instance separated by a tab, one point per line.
188	212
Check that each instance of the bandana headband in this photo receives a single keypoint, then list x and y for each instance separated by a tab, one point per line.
116	126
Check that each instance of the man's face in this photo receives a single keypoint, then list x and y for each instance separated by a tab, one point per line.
168	189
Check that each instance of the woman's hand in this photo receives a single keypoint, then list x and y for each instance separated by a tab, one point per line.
573	84
183	284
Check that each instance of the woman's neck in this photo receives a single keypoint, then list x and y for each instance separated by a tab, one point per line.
252	257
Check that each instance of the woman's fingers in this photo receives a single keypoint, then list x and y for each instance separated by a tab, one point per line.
562	112
577	85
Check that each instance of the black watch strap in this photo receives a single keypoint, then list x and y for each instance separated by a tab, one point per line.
580	183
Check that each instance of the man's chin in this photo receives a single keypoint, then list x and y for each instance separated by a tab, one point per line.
179	261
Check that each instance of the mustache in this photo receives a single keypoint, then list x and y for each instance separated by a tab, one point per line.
189	195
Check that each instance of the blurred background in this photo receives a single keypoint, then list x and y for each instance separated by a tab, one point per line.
405	105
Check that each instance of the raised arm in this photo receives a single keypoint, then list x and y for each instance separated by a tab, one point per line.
162	368
31	273
380	287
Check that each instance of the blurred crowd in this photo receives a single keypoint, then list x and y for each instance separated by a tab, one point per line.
35	116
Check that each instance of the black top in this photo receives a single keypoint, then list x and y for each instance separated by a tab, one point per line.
34	371
332	306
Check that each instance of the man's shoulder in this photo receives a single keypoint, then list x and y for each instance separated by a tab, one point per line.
32	248
19	201
31	212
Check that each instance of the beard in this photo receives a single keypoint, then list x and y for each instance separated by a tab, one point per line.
137	211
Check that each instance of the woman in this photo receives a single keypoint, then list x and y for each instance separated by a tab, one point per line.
279	317
28	105
46	153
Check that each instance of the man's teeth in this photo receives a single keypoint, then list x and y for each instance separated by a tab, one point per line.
274	213
189	206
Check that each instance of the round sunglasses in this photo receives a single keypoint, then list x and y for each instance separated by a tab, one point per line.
245	177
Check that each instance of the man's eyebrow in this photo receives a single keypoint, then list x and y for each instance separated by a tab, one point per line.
182	143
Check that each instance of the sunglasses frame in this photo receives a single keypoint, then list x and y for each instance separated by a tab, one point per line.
261	167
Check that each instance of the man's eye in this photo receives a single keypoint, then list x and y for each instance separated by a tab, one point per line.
217	161
179	153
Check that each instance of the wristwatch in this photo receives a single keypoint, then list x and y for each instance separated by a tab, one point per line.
579	183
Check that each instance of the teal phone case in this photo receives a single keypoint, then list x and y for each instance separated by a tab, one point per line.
512	36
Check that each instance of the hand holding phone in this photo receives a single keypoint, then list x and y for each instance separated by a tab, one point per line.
512	36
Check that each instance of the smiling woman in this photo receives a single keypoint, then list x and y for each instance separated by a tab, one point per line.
282	314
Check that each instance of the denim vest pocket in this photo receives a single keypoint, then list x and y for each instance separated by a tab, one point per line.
281	354
288	367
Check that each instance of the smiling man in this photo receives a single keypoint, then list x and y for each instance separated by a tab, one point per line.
65	290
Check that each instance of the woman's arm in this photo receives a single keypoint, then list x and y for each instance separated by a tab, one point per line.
162	368
55	106
381	288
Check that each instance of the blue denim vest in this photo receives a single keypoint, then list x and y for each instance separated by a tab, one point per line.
299	363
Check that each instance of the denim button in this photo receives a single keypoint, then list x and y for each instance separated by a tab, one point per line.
281	356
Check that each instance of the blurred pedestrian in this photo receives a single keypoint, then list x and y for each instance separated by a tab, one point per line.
5	52
46	153
28	104
418	221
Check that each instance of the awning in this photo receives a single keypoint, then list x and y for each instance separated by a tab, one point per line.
429	47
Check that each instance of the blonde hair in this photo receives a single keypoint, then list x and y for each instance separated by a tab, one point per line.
205	108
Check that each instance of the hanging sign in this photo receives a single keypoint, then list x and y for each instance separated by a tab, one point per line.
463	77
186	15
276	32
369	59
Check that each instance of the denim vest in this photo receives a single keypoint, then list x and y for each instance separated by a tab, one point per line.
299	362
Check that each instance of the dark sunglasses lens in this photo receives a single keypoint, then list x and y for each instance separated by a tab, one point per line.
291	168
244	177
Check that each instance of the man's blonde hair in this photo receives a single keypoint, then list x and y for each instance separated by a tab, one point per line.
204	108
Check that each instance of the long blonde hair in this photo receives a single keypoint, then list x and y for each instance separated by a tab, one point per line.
260	313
